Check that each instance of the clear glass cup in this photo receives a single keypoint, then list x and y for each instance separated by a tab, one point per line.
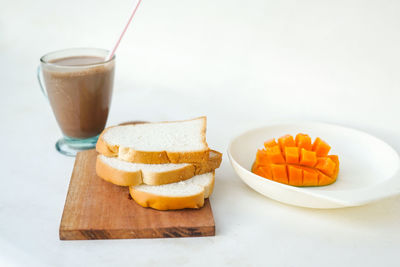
78	83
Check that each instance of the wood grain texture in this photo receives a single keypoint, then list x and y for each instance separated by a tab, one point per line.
96	209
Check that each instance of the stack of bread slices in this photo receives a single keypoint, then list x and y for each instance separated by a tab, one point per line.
167	165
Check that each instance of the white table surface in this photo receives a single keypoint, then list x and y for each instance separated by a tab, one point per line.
241	63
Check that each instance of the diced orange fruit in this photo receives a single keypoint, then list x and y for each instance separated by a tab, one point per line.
321	147
310	177
308	158
303	141
286	141
263	171
270	143
274	155
297	161
261	157
258	171
292	155
326	165
334	158
279	173
295	175
324	179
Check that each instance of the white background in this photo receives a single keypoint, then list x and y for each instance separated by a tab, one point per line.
241	63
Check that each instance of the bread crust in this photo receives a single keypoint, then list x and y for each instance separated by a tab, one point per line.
115	176
126	178
213	163
159	202
209	188
104	148
153	157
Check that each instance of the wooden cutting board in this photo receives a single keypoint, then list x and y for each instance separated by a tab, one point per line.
96	209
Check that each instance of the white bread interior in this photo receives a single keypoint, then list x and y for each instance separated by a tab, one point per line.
157	143
124	173
185	194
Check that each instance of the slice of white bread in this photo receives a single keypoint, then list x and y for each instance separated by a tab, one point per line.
124	173
157	143
185	194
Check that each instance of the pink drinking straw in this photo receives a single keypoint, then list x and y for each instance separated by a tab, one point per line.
123	31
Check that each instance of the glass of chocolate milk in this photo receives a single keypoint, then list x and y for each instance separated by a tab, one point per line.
78	83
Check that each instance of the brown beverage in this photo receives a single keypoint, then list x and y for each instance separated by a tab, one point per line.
79	89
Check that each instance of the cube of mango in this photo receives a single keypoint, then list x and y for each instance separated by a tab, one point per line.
274	155
279	173
326	165
321	147
310	177
264	171
303	141
270	143
324	179
308	158
261	157
292	155
286	141
295	175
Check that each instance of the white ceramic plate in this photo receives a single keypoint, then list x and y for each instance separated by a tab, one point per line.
369	168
